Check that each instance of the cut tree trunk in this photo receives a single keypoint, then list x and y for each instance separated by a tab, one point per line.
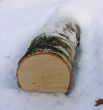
47	64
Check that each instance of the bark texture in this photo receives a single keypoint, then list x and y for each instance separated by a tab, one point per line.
62	42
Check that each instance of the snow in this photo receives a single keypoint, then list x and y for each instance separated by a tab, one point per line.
20	22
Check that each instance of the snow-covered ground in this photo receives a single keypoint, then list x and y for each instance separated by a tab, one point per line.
20	22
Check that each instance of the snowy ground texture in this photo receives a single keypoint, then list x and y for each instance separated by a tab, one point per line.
20	22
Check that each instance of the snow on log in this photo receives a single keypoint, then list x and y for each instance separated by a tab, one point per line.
47	64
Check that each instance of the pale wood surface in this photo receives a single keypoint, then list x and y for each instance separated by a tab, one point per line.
43	73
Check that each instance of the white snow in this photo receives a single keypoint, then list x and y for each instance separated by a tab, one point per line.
20	22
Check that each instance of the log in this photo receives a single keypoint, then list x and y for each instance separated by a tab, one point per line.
47	64
99	102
